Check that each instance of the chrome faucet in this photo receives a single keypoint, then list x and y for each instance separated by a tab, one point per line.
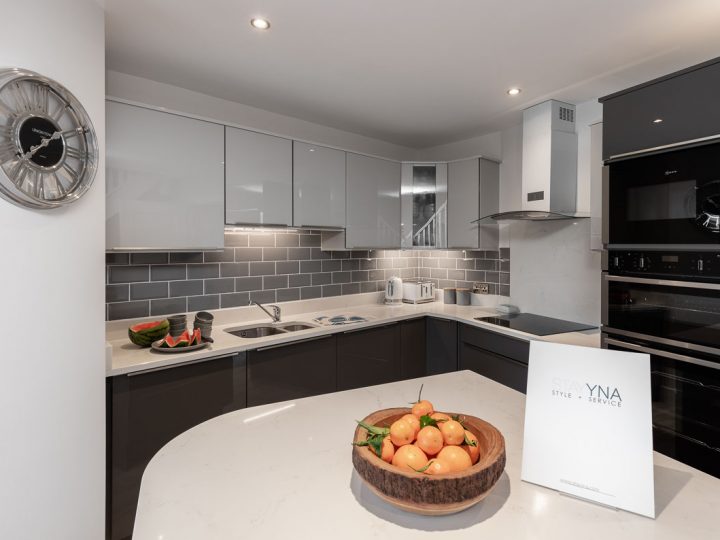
275	315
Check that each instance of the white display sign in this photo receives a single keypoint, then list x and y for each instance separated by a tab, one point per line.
588	425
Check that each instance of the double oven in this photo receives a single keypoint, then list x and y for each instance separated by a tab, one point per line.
661	289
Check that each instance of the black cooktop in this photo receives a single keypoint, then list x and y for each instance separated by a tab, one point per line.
535	324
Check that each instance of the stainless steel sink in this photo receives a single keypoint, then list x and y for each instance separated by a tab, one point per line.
295	327
263	330
256	331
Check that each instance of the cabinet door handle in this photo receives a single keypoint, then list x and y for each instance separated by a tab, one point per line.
368	328
287	343
179	364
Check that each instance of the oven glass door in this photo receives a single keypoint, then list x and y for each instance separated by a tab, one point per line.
685	403
671	198
686	316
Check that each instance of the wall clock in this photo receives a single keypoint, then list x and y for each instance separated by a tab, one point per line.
48	148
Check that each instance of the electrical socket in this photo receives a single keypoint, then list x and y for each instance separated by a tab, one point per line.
482	288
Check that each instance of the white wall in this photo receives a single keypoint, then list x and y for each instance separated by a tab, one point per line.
176	99
52	406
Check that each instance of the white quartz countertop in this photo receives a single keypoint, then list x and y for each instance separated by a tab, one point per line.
284	471
127	358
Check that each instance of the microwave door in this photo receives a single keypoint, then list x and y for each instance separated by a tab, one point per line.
668	199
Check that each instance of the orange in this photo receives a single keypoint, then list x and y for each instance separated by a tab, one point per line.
401	433
437	467
421	408
430	440
452	432
455	457
472	451
440	417
387	450
410	457
413	421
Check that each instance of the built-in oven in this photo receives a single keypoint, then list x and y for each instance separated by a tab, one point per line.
668	200
667	304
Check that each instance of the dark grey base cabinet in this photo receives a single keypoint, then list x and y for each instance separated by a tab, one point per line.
368	357
146	410
413	350
497	357
442	346
292	371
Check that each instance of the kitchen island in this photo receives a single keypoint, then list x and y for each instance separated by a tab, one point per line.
284	471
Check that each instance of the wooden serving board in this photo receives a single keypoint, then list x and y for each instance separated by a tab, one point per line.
425	494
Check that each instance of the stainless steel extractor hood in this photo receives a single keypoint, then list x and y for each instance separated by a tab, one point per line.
549	166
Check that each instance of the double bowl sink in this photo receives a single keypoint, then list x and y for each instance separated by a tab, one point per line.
263	330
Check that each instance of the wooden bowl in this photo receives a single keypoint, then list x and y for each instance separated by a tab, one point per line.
425	494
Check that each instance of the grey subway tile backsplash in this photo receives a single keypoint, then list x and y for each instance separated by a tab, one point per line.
190	287
168	306
219	285
281	267
128	274
263	296
275	282
226	255
262	268
287	295
233	269
167	272
299	280
200	303
203	271
146	291
236	299
148	258
248	283
188	257
117	293
129	310
262	240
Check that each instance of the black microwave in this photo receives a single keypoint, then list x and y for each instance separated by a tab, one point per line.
669	199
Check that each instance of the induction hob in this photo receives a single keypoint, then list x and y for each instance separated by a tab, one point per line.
535	324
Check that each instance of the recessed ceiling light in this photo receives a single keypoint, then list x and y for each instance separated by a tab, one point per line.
514	91
657	120
260	23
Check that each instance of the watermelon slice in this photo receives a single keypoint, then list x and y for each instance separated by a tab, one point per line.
183	340
196	337
168	342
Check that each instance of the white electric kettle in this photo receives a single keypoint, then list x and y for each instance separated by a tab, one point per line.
394	291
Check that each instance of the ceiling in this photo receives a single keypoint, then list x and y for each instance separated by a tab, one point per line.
413	72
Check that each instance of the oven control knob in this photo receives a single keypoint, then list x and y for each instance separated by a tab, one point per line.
700	265
641	263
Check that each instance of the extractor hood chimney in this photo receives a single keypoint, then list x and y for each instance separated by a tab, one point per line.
549	165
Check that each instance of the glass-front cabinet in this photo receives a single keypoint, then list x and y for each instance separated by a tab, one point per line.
424	205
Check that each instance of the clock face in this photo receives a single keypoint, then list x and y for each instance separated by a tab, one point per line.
48	149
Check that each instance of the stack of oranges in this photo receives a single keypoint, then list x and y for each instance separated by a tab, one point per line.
425	441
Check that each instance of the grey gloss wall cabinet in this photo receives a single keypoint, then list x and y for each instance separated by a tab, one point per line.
146	410
473	192
318	186
373	202
258	178
165	180
686	103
